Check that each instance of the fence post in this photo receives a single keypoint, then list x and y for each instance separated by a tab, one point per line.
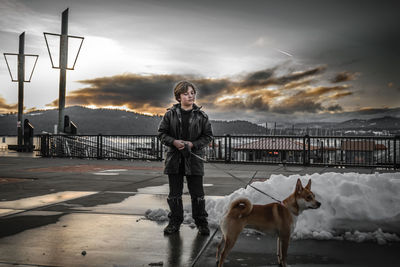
322	152
159	150
219	150
230	147
99	146
44	145
309	149
395	138
227	147
305	139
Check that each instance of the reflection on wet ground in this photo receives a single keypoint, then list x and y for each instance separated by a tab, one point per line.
38	201
13	180
119	203
108	240
164	189
260	250
94	168
29	220
4	212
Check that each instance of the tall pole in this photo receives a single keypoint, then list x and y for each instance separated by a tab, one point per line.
21	79
63	69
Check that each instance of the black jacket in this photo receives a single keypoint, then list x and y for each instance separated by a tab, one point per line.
200	134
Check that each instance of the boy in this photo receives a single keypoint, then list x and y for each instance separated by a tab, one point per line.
185	130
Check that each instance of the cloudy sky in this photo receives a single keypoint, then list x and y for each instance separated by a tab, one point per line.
252	60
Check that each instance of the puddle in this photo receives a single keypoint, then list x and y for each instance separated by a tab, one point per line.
108	240
43	200
93	168
5	212
137	204
13	180
164	189
110	172
29	220
106	173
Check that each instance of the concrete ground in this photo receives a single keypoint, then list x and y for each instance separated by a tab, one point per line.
75	212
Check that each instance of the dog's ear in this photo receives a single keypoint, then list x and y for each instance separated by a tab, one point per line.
308	186
299	186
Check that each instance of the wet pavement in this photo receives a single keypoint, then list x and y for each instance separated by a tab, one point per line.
71	212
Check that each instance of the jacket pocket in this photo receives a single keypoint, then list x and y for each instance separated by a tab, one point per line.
172	162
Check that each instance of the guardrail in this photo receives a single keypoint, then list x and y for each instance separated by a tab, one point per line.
308	150
296	150
101	146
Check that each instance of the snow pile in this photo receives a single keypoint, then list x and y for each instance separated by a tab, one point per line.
355	207
159	215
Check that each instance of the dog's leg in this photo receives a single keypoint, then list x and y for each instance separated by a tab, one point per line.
219	247
279	250
227	247
284	247
229	243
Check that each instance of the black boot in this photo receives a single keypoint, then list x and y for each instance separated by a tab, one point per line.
203	229
175	216
172	227
200	215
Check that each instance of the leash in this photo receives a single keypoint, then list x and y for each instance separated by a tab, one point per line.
248	184
200	158
262	192
204	247
255	188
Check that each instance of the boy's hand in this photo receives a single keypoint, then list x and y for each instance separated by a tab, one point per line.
189	144
179	144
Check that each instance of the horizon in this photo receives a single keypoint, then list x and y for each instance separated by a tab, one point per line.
256	61
38	112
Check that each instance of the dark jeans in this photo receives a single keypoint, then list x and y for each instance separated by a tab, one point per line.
195	186
194	183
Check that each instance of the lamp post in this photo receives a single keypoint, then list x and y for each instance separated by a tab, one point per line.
63	64
21	80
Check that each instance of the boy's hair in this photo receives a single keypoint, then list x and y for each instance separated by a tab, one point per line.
182	87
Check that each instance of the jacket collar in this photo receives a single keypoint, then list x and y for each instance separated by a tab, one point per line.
178	105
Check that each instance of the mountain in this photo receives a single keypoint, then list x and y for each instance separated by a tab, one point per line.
386	122
112	122
119	122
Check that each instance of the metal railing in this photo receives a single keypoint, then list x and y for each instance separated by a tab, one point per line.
101	146
307	150
296	150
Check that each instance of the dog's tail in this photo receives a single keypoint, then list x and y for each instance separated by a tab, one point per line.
240	207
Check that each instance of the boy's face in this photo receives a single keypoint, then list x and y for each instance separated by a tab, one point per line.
188	98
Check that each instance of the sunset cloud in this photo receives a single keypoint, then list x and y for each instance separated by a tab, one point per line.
267	77
148	94
340	95
310	100
321	90
7	108
334	108
345	76
262	91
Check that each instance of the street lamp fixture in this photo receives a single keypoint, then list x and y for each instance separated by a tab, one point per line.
20	78
51	57
63	64
17	55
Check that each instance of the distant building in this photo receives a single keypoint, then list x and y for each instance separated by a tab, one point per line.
290	150
364	151
271	150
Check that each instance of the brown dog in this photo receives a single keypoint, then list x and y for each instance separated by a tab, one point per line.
277	218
